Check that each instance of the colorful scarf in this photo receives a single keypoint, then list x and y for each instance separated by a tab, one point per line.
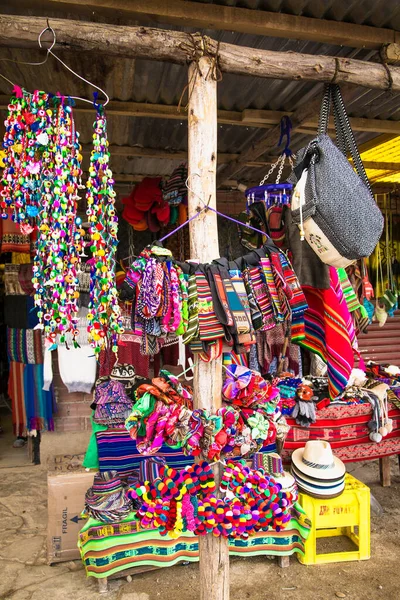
326	332
39	404
25	346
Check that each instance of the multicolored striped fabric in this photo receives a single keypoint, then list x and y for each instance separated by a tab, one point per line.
239	289
39	403
256	315
32	407
17	394
117	452
271	285
25	346
209	326
240	311
296	297
349	294
193	318
262	297
327	333
106	550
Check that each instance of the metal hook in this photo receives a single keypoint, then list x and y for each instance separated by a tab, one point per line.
50	51
48	28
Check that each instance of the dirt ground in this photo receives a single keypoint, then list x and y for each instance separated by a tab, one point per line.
24	574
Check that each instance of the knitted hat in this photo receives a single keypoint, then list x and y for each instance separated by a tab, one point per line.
175	190
131	213
106	500
124	373
141	225
148	192
112	405
152	222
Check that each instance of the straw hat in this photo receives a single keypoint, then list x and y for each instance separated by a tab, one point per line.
317	462
319	491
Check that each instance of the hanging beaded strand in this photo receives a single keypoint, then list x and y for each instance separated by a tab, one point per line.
14	142
59	244
104	318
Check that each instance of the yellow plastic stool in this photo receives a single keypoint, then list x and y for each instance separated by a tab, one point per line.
338	517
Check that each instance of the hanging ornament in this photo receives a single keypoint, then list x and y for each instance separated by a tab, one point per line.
14	144
60	240
104	313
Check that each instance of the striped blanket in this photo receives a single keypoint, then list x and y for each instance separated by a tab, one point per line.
106	550
329	333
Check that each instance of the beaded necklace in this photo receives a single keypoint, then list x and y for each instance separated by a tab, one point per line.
104	313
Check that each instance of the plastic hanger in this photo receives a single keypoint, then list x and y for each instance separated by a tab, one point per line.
50	51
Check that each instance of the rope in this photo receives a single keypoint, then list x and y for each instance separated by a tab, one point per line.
199	45
388	71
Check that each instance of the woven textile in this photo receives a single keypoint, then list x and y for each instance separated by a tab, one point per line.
271	285
117	452
25	275
17	394
255	311
12	240
326	332
348	291
39	403
25	346
193	308
119	546
262	297
209	326
106	500
112	405
239	302
12	285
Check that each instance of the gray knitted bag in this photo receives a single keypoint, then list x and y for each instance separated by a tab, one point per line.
337	198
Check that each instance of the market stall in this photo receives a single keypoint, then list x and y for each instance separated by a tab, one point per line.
187	470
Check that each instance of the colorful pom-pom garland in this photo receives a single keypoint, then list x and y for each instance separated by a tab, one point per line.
186	500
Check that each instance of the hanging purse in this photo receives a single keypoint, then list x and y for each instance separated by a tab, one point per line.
332	204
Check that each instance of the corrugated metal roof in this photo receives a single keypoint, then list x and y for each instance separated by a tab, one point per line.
163	83
386	152
362	12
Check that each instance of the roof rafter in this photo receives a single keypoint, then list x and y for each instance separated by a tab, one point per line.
243	20
262	119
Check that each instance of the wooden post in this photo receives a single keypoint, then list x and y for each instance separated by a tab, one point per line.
384	471
207	381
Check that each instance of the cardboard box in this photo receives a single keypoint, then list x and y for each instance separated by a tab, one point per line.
66	498
66	463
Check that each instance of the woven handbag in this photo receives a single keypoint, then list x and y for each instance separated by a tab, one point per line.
332	204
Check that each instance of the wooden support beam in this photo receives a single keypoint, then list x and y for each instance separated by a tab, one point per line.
382	166
391	53
268	141
207	380
254	22
262	119
139	152
180	47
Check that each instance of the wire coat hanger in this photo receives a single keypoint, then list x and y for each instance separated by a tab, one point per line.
50	51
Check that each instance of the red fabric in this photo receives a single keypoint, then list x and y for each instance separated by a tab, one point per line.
12	240
17	395
147	192
129	353
329	332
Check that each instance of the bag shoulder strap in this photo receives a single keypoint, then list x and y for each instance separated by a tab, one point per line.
344	135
